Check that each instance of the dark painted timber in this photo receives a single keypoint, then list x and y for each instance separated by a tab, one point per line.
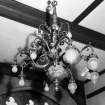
85	35
100	73
96	92
30	16
22	13
87	11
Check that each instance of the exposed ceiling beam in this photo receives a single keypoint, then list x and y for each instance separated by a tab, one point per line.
87	11
30	16
97	92
21	13
85	35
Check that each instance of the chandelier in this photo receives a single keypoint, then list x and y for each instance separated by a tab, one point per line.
52	51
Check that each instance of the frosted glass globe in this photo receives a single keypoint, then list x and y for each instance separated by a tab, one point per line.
14	69
71	56
72	87
21	82
33	55
46	87
69	35
94	77
93	63
45	103
84	71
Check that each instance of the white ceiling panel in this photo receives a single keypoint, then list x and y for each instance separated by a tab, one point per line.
96	19
12	36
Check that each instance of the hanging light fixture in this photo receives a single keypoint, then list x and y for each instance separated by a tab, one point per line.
72	86
14	68
21	81
46	53
46	88
33	55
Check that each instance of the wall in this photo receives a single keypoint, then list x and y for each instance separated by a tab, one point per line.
12	36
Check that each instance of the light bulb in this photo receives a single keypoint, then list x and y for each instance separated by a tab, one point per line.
31	102
46	87
56	88
71	56
84	71
72	87
45	103
21	82
93	63
33	55
11	99
94	77
14	69
69	35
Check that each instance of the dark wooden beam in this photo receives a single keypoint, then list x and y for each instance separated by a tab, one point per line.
85	35
30	16
87	11
97	92
21	13
102	72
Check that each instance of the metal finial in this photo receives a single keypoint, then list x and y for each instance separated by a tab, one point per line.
54	3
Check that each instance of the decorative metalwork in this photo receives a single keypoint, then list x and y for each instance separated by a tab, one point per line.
52	51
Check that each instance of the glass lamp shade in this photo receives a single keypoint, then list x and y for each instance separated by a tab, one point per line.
84	71
33	55
71	56
31	102
21	82
11	101
14	69
45	103
69	35
94	77
93	63
57	72
46	88
72	87
88	75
